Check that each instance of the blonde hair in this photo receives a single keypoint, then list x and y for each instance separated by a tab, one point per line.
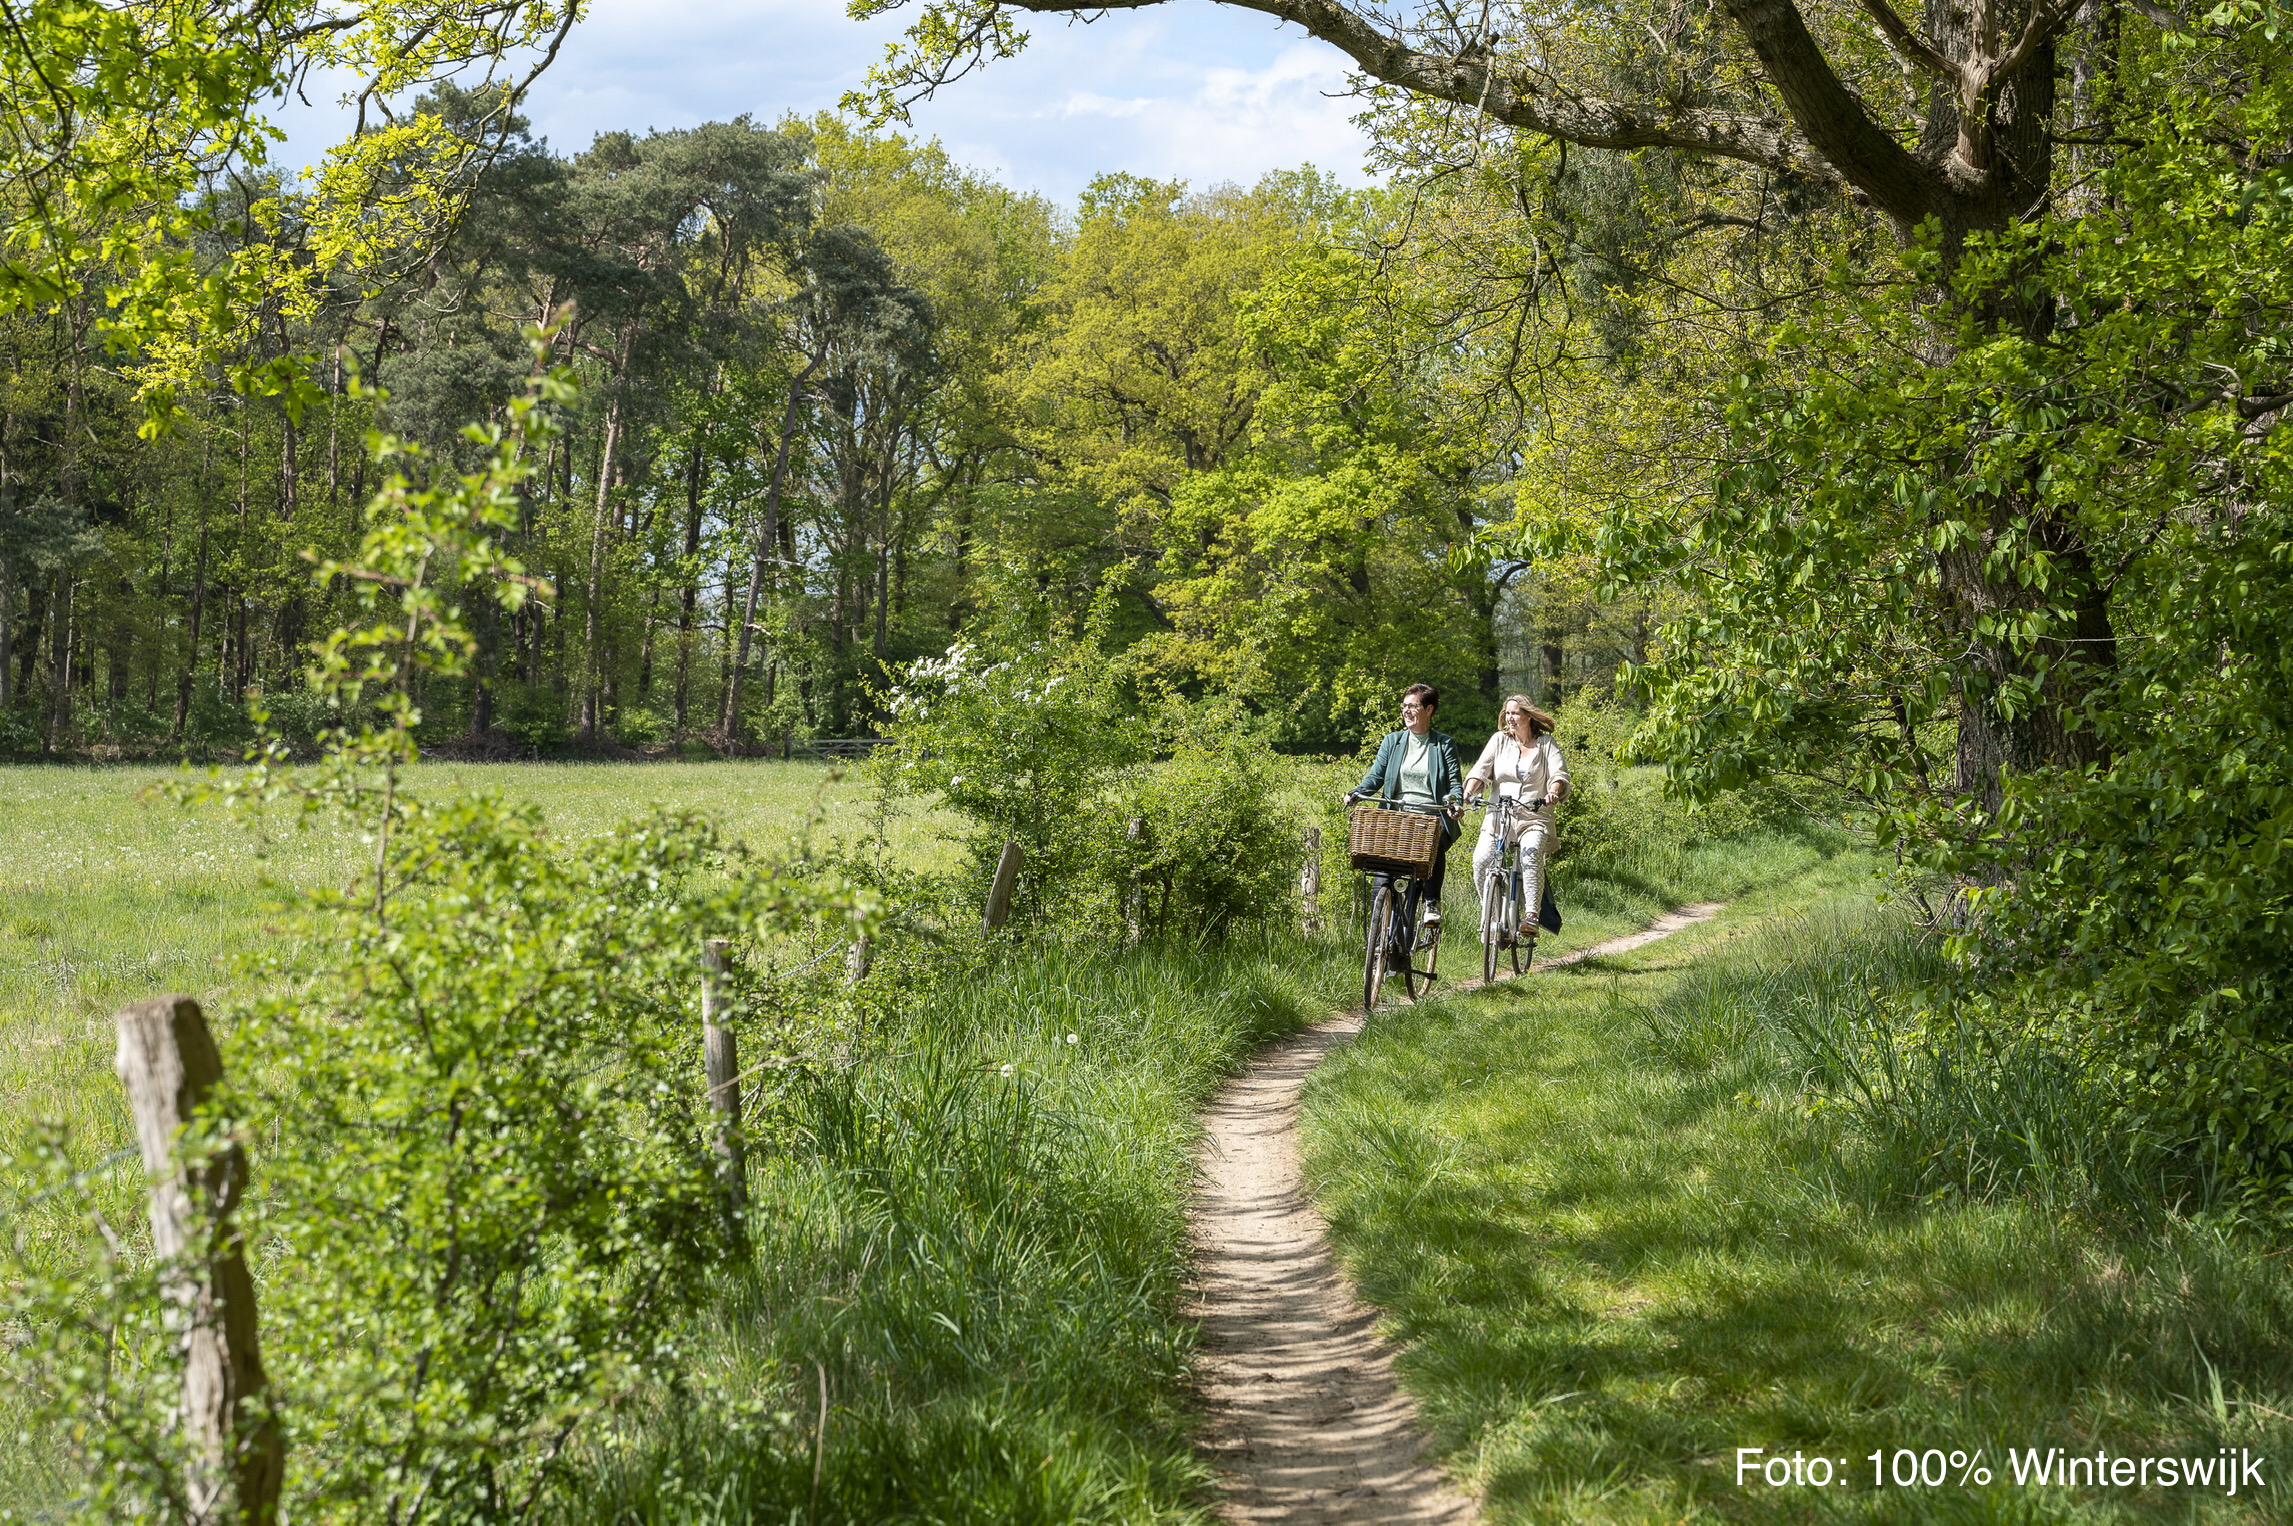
1541	722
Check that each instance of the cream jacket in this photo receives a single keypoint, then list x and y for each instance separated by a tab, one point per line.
1528	773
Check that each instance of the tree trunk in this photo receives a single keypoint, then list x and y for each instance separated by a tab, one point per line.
60	664
767	541
334	437
688	598
7	633
288	445
593	625
198	611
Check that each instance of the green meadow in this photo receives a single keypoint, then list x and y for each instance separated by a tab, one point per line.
110	891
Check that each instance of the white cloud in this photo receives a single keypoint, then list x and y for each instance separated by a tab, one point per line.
1186	90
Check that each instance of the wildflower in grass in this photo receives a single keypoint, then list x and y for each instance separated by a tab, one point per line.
1074	1038
1009	1068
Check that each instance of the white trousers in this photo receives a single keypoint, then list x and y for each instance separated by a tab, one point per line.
1533	831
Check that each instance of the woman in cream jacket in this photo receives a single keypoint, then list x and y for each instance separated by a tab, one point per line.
1521	761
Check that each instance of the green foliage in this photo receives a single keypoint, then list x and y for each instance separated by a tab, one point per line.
1218	844
1023	736
120	115
491	1202
2017	587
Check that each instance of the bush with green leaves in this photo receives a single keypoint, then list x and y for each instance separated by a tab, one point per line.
2020	587
1218	845
491	1201
1025	736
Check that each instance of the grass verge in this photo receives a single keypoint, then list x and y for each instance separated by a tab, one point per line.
1621	1232
971	1242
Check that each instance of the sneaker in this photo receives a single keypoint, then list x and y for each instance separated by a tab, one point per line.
1432	916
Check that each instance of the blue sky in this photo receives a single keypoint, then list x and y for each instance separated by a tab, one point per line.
1186	90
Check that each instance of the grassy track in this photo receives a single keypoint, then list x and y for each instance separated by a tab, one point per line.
1618	1246
982	1267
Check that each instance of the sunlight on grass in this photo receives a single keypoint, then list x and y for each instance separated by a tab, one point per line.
109	897
1611	1266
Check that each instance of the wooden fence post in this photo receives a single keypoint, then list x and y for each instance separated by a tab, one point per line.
999	890
856	963
720	1059
169	1065
1310	881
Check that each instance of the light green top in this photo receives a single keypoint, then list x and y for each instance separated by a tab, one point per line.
1416	769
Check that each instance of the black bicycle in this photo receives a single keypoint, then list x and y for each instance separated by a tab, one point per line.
1393	940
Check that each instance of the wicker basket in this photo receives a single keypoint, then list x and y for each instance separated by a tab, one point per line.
1396	842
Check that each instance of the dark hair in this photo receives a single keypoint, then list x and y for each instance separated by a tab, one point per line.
1424	694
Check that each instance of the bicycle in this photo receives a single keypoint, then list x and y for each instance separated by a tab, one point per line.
1390	944
1504	910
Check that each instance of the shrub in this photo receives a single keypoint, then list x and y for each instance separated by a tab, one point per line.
490	1198
484	1201
1218	844
1025	738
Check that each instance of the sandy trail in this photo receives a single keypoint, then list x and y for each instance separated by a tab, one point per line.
1306	1422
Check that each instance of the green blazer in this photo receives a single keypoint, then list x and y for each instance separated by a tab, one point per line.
1384	776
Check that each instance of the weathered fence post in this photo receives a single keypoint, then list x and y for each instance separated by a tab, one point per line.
169	1065
720	1058
1310	882
857	962
999	889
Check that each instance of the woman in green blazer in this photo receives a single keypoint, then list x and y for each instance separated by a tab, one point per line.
1418	766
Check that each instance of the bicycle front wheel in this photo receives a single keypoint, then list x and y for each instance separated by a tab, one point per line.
1374	950
1494	904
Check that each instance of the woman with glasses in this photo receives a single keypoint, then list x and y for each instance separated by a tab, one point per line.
1523	762
1418	766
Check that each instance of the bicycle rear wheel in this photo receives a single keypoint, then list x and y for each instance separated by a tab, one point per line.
1381	899
1406	940
1524	943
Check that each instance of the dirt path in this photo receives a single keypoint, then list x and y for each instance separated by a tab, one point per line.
1306	1422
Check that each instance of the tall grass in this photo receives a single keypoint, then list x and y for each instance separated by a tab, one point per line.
1838	1009
972	1238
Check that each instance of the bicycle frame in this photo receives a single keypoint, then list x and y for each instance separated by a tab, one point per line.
1501	894
1390	943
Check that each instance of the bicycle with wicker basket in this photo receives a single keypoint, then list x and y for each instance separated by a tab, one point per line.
1396	845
